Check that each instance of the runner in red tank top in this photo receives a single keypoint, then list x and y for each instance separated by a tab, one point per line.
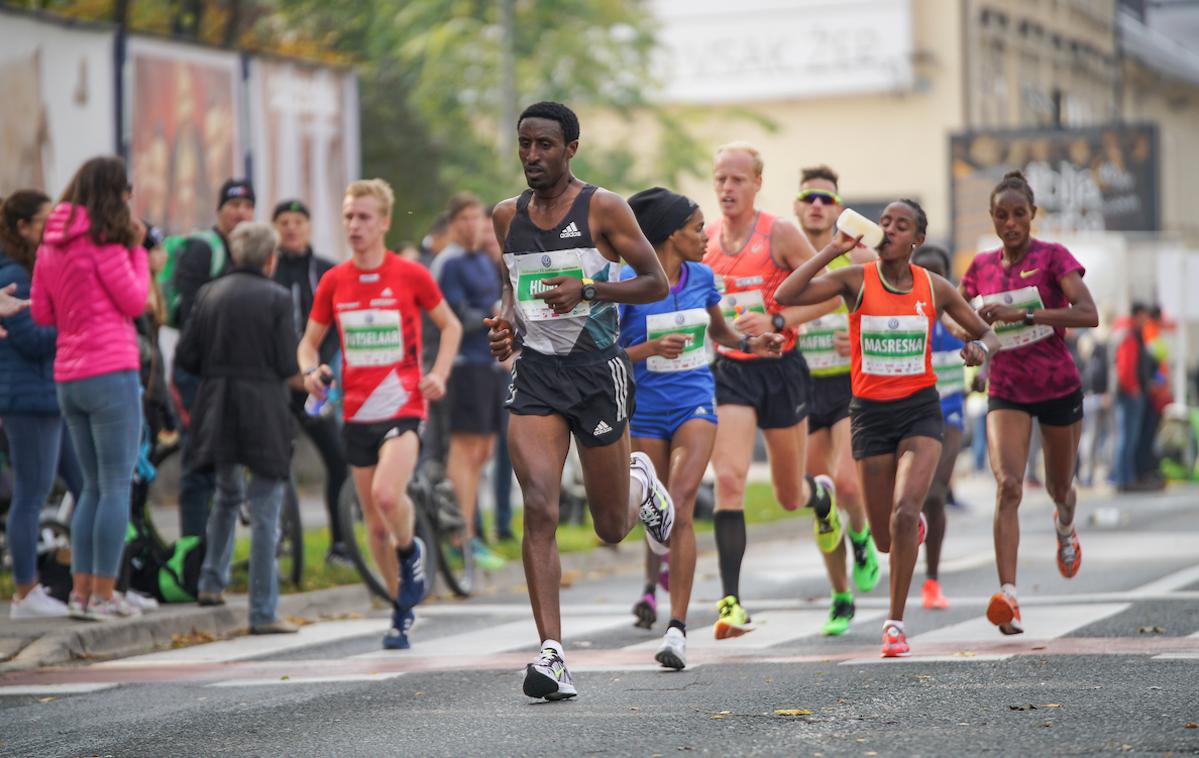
751	252
374	300
1033	290
895	412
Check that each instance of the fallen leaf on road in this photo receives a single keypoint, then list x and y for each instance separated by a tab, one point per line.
299	620
187	640
717	717
418	693
965	654
49	699
284	678
792	712
923	678
634	708
1047	724
1039	647
1151	630
871	752
1029	707
1192	725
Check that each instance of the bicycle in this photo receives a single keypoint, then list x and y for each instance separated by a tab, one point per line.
438	523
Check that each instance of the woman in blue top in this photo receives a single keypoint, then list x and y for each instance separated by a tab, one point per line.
674	421
951	384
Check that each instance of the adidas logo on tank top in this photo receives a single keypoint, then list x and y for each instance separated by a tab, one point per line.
571	230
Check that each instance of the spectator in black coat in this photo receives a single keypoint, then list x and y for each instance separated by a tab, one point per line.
241	342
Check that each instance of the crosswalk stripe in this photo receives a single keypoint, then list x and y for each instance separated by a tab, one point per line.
241	648
292	680
1181	656
504	637
1041	622
1171	582
68	688
770	628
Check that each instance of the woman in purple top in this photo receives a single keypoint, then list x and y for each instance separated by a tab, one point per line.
1032	291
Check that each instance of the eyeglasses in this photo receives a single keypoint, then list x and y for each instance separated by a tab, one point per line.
810	196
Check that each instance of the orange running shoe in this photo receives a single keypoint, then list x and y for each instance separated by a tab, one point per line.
1069	551
895	644
934	599
1004	612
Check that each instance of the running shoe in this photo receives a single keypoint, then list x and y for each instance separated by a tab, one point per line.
112	609
839	615
672	653
339	555
1069	551
895	643
396	638
664	574
934	599
657	511
865	562
1004	612
547	677
646	611
414	585
733	621
77	606
484	558
828	529
38	603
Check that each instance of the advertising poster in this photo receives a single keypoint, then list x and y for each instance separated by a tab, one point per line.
1084	180
183	123
58	85
305	142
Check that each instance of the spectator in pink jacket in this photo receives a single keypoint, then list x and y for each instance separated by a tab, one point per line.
90	281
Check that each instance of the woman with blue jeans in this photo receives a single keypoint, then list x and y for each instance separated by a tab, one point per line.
29	406
90	281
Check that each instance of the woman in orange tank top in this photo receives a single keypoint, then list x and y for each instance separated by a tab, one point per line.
895	415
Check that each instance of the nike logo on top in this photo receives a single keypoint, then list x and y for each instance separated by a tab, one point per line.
1030	272
601	428
571	230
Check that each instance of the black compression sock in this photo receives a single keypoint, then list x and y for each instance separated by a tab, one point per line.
405	553
730	546
651	588
818	498
676	624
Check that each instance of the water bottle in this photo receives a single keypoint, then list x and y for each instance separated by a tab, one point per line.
314	403
853	223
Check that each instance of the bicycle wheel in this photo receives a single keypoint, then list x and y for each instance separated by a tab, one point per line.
353	529
290	551
454	556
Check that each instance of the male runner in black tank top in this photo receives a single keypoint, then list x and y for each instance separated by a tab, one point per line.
563	241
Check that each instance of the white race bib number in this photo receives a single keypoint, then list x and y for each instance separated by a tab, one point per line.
951	372
894	345
531	271
1017	334
372	337
817	343
693	324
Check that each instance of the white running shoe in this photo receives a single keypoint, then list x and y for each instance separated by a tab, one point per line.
547	677
111	610
672	653
657	510
38	604
140	601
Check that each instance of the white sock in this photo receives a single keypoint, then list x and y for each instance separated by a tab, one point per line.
1009	590
892	622
554	645
638	487
1063	529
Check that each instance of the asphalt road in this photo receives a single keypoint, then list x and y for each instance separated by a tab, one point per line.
1109	664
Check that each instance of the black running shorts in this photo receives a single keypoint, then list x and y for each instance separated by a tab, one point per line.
777	389
830	401
877	427
1061	411
363	441
592	391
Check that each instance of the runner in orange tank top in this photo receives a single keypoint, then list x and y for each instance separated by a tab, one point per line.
751	253
895	415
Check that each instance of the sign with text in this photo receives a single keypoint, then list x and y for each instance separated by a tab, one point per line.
718	52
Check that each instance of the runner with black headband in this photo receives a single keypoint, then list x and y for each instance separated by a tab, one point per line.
675	420
895	413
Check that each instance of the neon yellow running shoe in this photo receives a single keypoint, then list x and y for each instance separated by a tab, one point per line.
865	562
733	621
839	615
828	529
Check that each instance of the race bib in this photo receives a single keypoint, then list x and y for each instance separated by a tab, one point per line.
736	303
1017	334
816	342
951	372
894	345
533	269
693	323
372	337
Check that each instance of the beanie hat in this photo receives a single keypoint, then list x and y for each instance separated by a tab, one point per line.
660	212
234	189
290	206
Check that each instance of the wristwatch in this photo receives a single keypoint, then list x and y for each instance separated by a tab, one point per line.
589	292
1028	320
778	322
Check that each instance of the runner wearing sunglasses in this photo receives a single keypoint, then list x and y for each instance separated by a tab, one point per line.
825	346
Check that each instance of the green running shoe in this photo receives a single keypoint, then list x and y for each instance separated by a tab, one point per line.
865	562
484	558
733	621
828	529
839	615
